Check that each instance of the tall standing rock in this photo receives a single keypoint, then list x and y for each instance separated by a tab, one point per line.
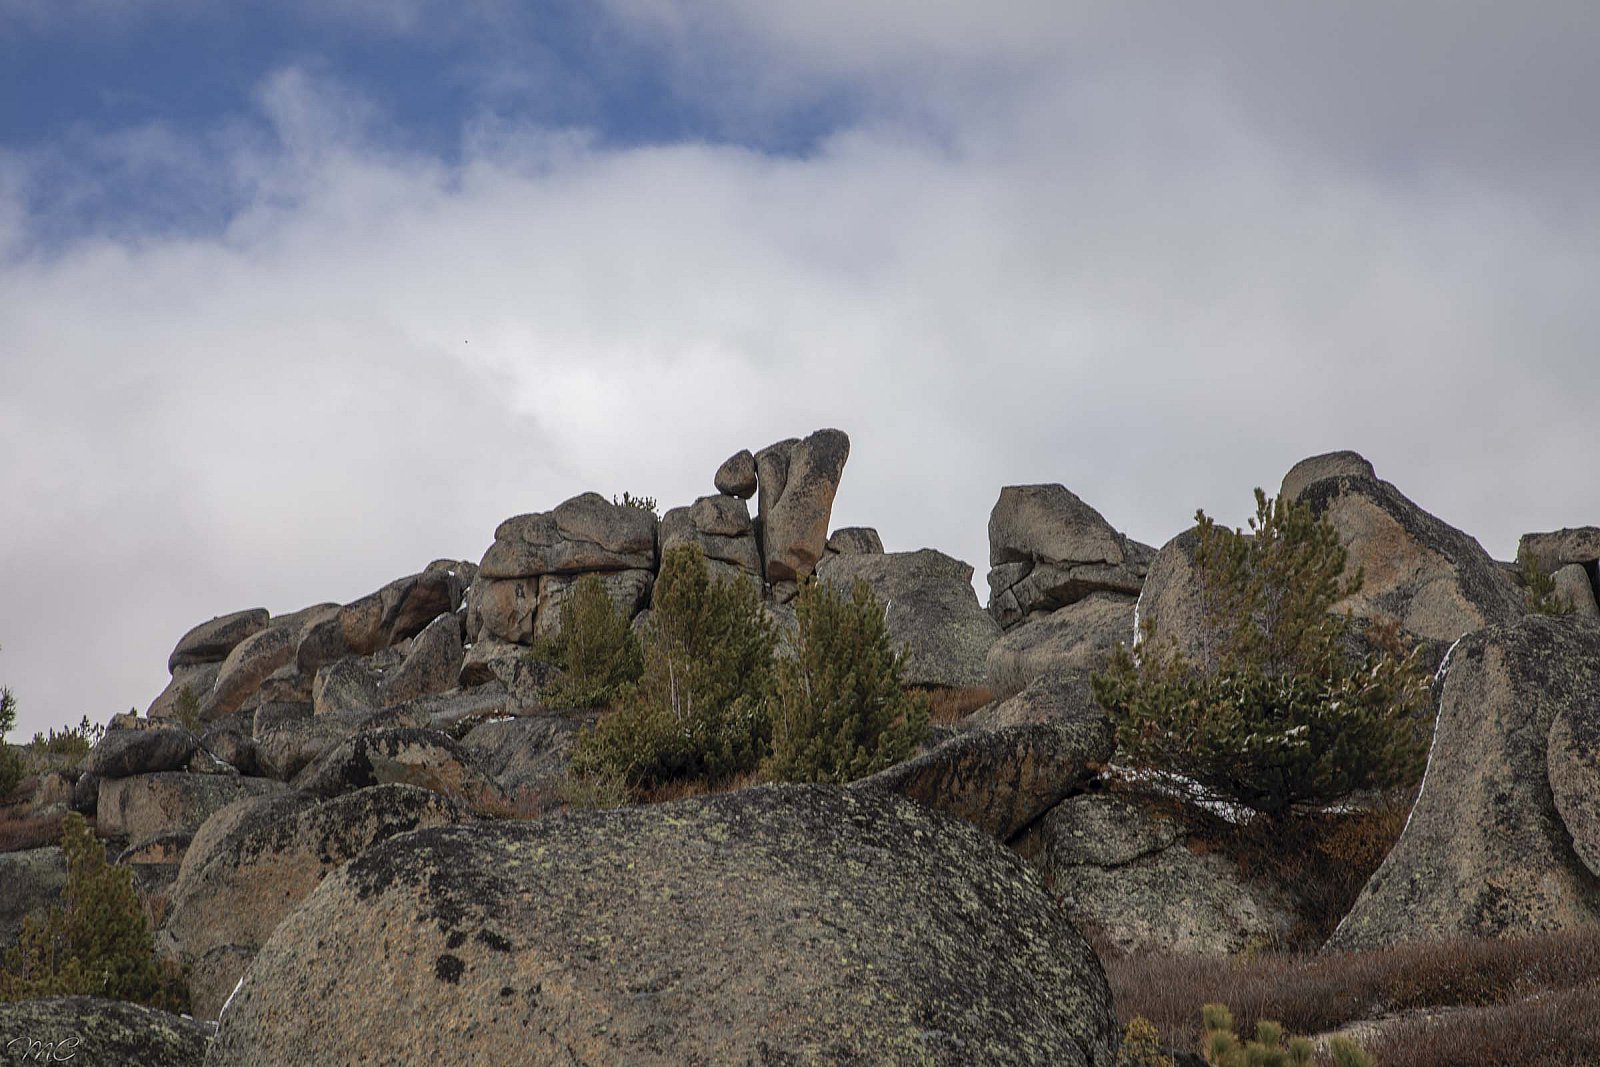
1487	852
778	925
794	518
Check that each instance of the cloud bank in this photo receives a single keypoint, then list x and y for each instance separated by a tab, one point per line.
1157	260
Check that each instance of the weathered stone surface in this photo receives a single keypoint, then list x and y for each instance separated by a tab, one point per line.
266	716
289	744
768	925
628	590
90	1032
492	660
794	525
1486	852
432	666
1057	697
345	686
586	533
528	754
246	667
397	611
1327	465
1129	875
854	541
1079	637
210	642
1434	580
86	793
34	879
931	610
1561	547
502	610
1048	549
1572	585
737	475
772	473
250	878
461	709
405	755
151	804
1171	603
1573	766
143	749
1001	780
162	850
198	680
231	740
720	525
54	790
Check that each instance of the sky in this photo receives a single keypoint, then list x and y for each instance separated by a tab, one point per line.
297	296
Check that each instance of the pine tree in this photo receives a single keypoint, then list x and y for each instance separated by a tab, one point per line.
839	711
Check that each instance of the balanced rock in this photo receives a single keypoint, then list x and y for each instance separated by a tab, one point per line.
141	747
1487	851
768	925
794	521
1080	638
1001	780
1327	465
270	857
91	1032
210	642
586	533
930	610
737	475
1048	549
854	541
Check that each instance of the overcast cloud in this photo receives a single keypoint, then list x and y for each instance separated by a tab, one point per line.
285	353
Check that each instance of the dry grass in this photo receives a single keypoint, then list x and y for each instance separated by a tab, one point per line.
20	829
1551	1030
667	792
948	705
1317	993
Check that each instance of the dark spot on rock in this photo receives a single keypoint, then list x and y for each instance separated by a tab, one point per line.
493	940
506	991
455	940
448	968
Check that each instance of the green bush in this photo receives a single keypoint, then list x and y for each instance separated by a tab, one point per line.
642	503
97	944
699	709
1285	714
1540	587
839	711
596	649
1141	1046
73	741
187	710
12	768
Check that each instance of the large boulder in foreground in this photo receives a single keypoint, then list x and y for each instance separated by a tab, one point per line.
90	1032
241	885
1001	780
930	610
776	925
1487	852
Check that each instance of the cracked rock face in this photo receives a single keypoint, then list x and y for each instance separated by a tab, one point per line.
1129	874
1501	840
1048	549
780	925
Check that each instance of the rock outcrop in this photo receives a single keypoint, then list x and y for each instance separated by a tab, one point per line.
1048	549
930	610
100	1033
798	481
722	528
737	475
1488	851
262	862
149	804
210	642
770	925
404	755
34	880
1078	639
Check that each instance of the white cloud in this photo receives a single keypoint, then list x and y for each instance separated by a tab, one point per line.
1078	278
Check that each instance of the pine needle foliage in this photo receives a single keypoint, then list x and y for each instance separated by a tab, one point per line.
1540	587
596	649
12	767
699	709
839	710
1281	713
97	943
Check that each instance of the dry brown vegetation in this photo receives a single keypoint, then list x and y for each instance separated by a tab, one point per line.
948	705
20	828
1528	1001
